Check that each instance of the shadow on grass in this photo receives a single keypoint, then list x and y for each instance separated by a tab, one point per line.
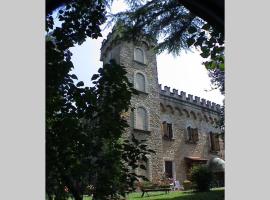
187	195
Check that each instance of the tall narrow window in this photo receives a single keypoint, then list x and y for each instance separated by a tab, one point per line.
169	169
167	130
141	119
189	136
214	142
192	135
170	132
195	135
140	82
138	55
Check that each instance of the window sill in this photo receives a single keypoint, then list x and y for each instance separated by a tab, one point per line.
169	139
142	131
191	142
141	92
213	152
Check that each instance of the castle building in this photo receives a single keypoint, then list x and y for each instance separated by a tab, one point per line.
180	128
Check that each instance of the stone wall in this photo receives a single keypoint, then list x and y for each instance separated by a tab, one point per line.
182	115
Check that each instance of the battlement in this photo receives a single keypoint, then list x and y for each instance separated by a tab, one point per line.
117	34
188	98
109	37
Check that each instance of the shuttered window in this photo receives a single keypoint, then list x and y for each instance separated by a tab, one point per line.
167	130
214	141
141	119
140	82
192	135
195	135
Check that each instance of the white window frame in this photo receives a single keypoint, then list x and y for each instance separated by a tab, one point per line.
144	60
147	118
173	166
145	81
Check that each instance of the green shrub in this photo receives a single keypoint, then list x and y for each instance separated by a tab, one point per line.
201	177
146	184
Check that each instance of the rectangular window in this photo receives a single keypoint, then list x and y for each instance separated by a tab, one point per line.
214	141
192	135
169	169
195	135
167	130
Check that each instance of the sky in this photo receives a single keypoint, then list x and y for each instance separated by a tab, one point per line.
184	73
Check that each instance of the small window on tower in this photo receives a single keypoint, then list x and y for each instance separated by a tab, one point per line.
139	55
140	82
141	119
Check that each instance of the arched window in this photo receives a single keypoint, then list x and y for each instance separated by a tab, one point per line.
141	119
138	55
140	82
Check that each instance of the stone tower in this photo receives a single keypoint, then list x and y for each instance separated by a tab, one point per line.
140	62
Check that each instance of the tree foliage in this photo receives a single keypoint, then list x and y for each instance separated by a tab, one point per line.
84	126
176	29
201	177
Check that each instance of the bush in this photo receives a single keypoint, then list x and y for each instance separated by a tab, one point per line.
201	177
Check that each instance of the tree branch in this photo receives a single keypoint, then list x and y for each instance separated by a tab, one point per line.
211	11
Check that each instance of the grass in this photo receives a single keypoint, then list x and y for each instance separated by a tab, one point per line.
214	194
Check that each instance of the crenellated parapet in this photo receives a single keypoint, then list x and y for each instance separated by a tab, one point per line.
116	35
183	96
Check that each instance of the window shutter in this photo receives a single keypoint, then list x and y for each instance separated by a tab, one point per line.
189	134
212	141
217	147
141	119
140	82
165	129
195	135
139	55
169	131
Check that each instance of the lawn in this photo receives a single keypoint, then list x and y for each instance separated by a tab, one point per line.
215	194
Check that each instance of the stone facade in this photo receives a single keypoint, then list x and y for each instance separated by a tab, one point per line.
154	106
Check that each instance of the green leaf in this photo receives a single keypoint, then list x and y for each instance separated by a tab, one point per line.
80	84
206	26
192	29
204	55
222	66
210	65
73	76
205	52
94	77
190	41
